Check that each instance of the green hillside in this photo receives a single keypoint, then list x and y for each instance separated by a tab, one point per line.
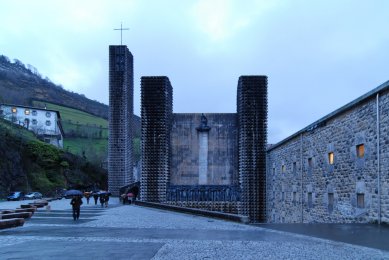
28	164
86	135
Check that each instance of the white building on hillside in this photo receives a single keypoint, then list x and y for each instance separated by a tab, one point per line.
46	124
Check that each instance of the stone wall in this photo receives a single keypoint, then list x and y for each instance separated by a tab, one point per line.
222	151
321	174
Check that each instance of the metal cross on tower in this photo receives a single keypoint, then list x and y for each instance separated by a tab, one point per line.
121	32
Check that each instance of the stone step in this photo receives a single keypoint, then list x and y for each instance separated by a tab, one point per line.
10	223
16	215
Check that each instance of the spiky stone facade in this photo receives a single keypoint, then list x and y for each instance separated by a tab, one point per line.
121	89
156	114
165	149
252	127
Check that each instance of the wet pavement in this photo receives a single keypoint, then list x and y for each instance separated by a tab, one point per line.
133	232
369	235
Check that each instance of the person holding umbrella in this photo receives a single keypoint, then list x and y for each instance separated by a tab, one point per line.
95	197
76	203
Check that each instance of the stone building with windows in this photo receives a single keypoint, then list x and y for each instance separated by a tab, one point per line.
46	124
335	170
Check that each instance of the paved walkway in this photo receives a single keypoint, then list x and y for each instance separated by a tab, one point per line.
132	232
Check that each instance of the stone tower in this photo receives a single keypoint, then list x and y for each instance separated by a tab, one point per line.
252	131
156	115
121	89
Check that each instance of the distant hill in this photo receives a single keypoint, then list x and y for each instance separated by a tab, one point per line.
22	84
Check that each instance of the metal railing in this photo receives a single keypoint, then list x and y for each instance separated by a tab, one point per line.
203	193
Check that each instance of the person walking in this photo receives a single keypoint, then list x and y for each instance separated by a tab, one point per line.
76	203
95	197
87	196
106	199
102	200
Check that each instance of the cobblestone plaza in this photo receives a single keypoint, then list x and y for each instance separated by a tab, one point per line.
133	232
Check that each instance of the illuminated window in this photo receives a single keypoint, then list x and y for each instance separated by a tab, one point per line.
283	168
331	158
14	110
360	200
26	111
360	150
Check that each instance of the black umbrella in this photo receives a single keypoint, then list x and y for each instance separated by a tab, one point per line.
73	193
105	193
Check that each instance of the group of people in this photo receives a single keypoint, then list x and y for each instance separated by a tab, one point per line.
130	195
76	202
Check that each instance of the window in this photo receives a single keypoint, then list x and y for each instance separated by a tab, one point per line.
283	168
330	201
47	140
283	196
294	167
310	204
360	150
14	110
294	197
360	200
48	122
34	113
34	122
310	163
48	114
1	111
274	170
331	158
27	111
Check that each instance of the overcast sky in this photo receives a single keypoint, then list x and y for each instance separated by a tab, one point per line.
318	55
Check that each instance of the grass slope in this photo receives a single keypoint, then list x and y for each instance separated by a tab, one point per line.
85	134
28	164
